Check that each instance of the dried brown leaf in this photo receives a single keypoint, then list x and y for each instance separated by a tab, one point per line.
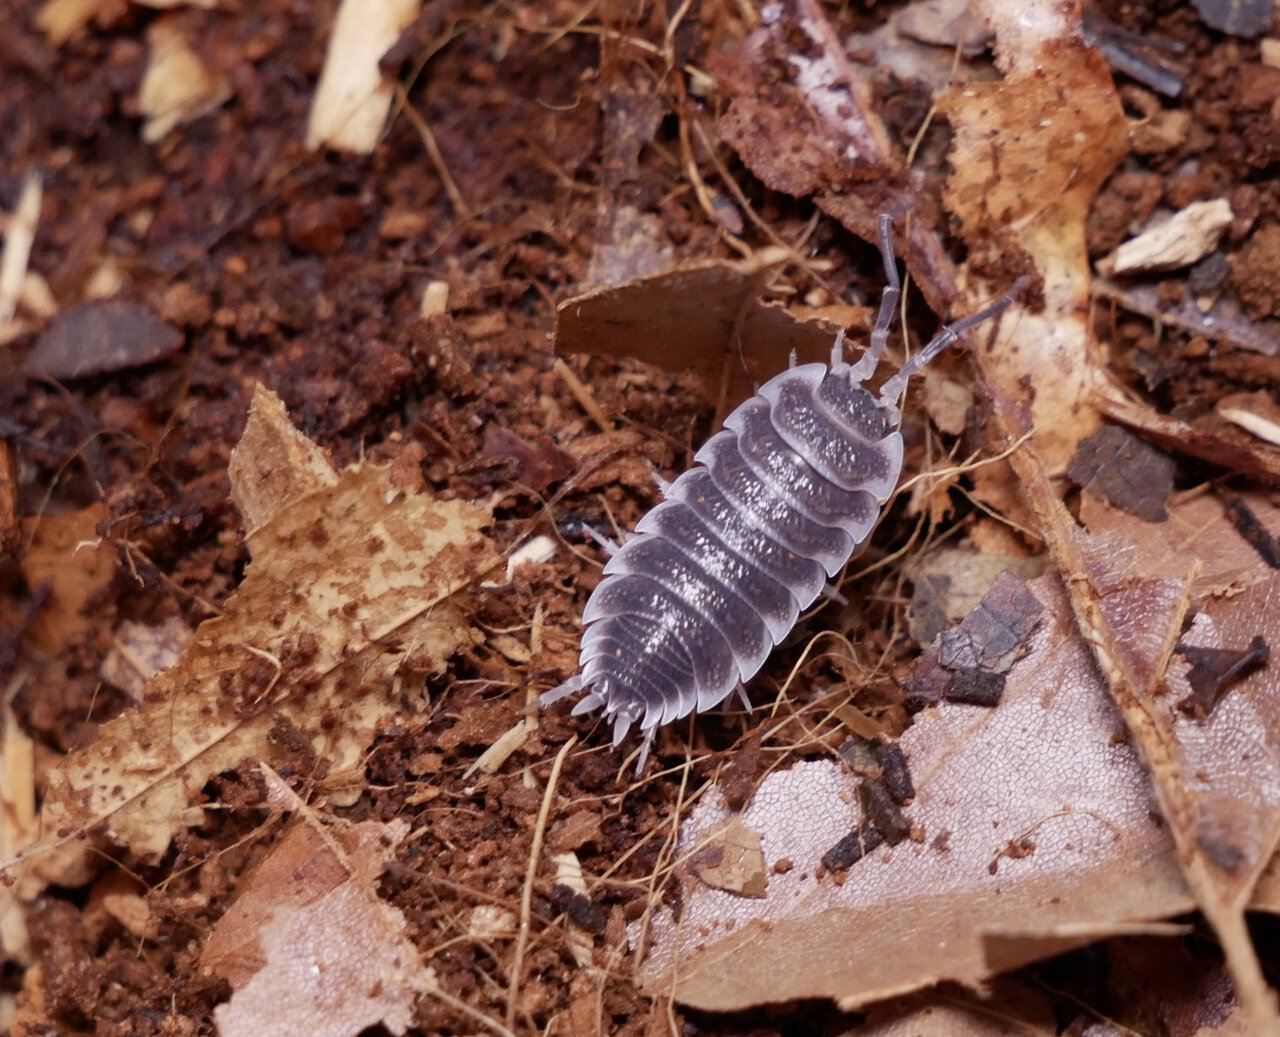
1048	774
346	582
96	337
1132	624
1197	542
1210	437
1030	153
1123	470
803	121
66	553
309	947
704	317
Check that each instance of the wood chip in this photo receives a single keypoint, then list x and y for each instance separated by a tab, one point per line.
352	98
98	337
1185	238
18	238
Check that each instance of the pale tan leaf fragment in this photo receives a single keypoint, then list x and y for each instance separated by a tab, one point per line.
1047	774
177	86
347	581
67	554
949	583
17	831
334	957
491	760
62	19
944	23
730	858
946	402
274	464
352	98
489	922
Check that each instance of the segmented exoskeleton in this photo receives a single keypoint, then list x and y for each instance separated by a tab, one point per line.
776	503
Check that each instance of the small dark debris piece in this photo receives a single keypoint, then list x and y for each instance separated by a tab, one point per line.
1014	850
1003	620
1208	275
1214	670
897	775
862	758
882	812
1127	52
580	908
1227	856
739	779
1247	18
989	639
1254	532
975	687
1116	466
535	466
98	337
852	848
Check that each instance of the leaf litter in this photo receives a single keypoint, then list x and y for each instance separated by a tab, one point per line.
1049	771
353	577
1172	607
308	945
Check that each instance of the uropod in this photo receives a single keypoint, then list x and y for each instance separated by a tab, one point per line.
775	504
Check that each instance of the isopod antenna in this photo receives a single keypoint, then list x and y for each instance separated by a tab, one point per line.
896	385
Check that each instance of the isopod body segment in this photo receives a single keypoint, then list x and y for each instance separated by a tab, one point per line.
776	503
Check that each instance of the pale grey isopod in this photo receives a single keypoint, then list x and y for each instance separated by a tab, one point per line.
776	503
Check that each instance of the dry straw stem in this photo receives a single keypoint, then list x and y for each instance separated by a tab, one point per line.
526	898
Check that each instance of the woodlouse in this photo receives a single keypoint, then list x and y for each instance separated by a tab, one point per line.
775	505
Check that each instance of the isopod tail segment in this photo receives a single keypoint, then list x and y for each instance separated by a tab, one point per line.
775	505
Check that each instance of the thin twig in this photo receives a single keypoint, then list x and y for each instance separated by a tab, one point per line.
526	898
459	203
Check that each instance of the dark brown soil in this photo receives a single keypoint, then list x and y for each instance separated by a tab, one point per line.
304	271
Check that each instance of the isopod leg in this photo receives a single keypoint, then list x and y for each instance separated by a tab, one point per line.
831	592
866	365
741	692
646	743
602	541
562	691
